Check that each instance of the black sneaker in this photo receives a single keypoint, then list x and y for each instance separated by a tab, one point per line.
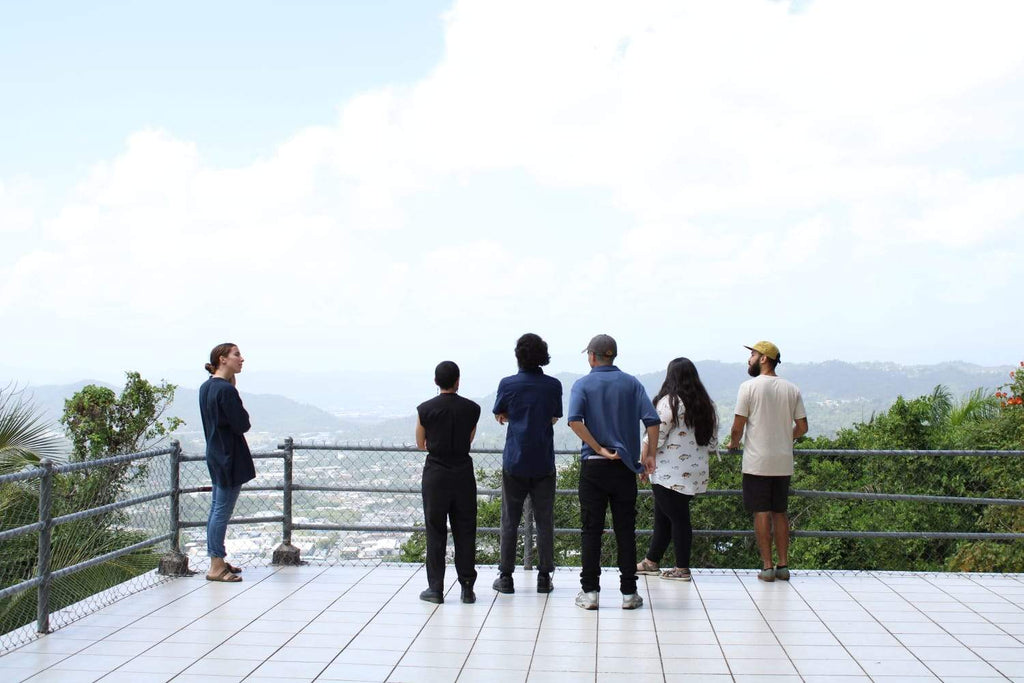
544	584
432	596
468	596
504	584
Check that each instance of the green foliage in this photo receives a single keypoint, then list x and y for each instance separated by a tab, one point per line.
25	438
935	421
98	423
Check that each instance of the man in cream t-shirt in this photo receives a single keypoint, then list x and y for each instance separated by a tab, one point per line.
771	411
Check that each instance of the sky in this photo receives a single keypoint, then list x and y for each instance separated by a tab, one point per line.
377	186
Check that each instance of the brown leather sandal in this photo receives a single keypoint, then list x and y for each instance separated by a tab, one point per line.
648	568
224	577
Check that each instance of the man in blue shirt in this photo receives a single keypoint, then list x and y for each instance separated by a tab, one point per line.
605	408
529	402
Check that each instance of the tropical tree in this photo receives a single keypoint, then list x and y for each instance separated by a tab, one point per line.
98	423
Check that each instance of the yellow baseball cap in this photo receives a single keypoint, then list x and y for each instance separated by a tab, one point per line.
768	349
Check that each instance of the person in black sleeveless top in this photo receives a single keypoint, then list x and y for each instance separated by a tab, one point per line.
445	427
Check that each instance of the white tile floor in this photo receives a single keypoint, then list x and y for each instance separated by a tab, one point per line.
311	623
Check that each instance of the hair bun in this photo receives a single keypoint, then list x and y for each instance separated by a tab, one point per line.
210	369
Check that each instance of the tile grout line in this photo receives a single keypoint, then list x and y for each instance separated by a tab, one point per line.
296	634
970	609
774	635
851	596
657	638
198	588
714	630
405	583
829	629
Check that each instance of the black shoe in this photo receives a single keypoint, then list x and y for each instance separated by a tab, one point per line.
544	584
468	596
504	584
432	596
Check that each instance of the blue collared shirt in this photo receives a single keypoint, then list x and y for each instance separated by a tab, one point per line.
612	404
531	400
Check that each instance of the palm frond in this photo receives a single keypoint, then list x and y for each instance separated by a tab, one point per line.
977	406
25	438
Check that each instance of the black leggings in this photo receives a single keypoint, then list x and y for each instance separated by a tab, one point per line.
671	520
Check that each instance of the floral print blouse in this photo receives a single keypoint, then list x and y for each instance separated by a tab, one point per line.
681	465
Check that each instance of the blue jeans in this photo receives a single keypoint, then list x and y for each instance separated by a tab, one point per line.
224	498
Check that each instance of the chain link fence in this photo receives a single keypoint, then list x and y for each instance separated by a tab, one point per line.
73	535
889	510
79	536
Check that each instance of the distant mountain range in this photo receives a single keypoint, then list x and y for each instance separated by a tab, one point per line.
837	394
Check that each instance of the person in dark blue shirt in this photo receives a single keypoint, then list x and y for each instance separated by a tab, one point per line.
529	402
606	408
225	422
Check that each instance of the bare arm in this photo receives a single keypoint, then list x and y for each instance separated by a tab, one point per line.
421	435
649	457
800	428
580	430
738	424
472	435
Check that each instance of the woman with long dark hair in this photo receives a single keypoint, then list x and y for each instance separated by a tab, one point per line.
225	422
689	432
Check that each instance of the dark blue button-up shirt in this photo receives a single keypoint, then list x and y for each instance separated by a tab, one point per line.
612	405
531	400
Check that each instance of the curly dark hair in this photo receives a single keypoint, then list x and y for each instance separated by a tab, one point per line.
532	351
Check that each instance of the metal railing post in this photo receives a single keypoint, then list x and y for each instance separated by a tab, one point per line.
43	566
286	525
175	562
176	497
286	553
528	534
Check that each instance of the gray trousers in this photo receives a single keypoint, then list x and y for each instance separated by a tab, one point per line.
514	491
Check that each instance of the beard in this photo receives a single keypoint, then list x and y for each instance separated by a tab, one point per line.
754	370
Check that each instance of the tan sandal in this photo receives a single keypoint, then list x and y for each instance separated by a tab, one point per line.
648	568
225	576
677	574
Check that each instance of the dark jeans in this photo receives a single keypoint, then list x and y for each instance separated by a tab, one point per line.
449	495
671	519
514	491
604	483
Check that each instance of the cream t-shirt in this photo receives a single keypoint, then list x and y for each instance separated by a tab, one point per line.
771	406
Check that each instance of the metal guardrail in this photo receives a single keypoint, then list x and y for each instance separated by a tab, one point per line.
286	553
45	575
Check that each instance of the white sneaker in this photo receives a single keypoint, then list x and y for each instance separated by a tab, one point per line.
631	601
587	600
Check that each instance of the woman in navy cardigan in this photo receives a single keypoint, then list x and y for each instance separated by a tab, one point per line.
225	421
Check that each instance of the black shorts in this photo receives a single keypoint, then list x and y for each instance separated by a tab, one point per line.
765	494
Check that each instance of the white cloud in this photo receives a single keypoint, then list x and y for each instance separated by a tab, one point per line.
746	147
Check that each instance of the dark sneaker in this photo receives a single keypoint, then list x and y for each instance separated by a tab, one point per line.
544	584
468	596
436	597
767	574
504	584
782	573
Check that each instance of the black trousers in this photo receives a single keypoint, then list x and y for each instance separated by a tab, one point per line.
514	491
449	495
605	483
671	520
